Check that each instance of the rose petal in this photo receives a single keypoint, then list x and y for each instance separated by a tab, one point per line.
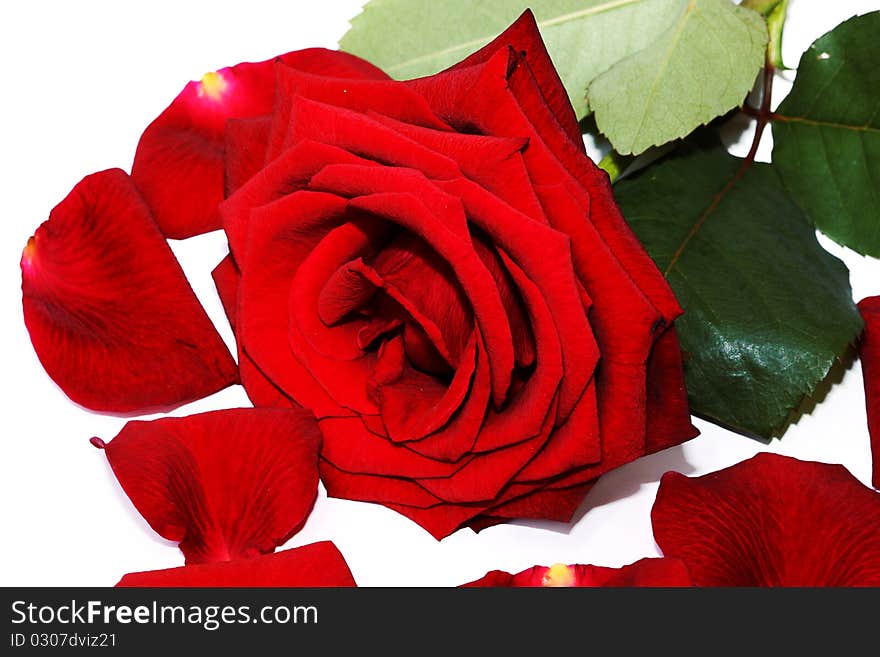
317	564
365	136
226	484
407	210
244	147
382	95
542	503
668	419
226	279
869	353
771	521
109	311
179	162
262	392
287	174
278	244
645	572
524	37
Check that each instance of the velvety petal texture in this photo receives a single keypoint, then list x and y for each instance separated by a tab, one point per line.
227	484
315	565
437	271
869	353
110	314
206	141
771	521
645	572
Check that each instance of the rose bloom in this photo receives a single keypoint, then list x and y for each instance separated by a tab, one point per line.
439	273
433	268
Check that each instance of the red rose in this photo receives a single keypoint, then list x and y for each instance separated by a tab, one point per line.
438	272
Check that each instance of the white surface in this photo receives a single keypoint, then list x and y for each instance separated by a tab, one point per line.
81	81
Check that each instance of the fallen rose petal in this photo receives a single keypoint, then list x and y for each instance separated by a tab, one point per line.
645	572
869	353
314	565
771	521
109	311
179	164
225	484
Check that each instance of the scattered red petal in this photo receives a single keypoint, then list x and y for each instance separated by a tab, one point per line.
869	352
227	484
771	521
110	314
645	572
314	565
181	164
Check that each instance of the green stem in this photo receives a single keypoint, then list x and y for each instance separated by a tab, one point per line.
774	12
763	7
775	24
615	164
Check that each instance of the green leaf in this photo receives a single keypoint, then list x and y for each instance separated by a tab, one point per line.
767	310
700	67
826	134
412	38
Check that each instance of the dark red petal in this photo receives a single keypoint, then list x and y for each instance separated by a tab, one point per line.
439	520
527	410
278	243
317	564
459	435
524	37
261	390
413	274
572	445
179	163
545	256
245	143
285	175
379	489
417	404
365	135
484	477
452	242
384	96
492	578
645	572
226	484
109	311
668	416
869	352
226	279
351	447
632	302
547	503
771	521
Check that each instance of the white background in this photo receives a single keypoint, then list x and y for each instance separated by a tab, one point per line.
80	82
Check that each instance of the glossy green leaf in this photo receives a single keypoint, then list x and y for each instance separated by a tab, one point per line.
700	67
827	134
412	38
767	310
